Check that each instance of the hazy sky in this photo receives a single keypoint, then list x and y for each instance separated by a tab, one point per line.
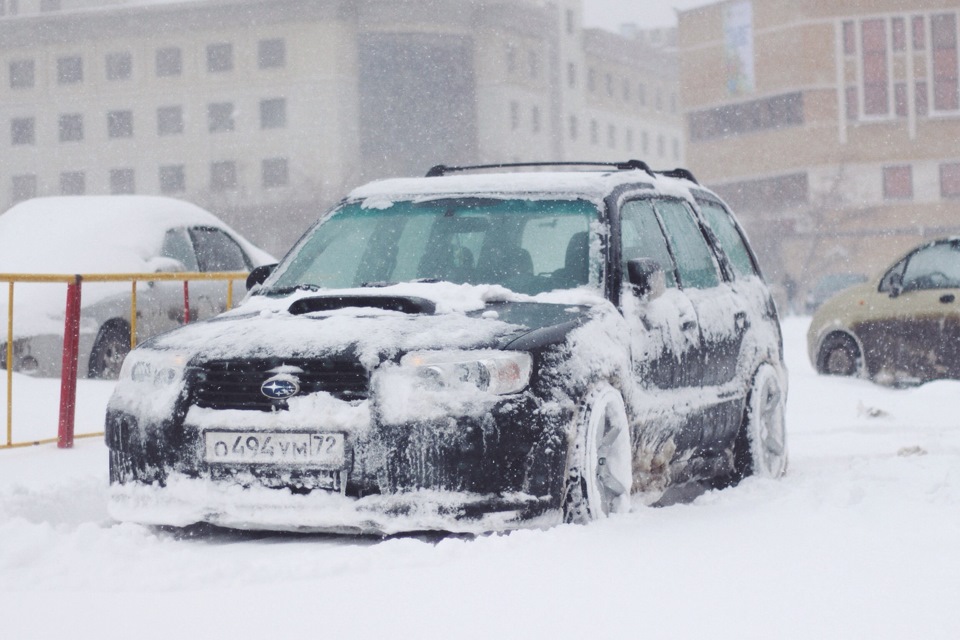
610	14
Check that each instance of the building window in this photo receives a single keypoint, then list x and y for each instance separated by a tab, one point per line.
22	131
275	173
673	103
919	33
943	41
659	100
676	149
71	127
897	183
273	113
644	142
173	179
591	80
629	140
608	82
220	117
119	66
49	5
511	58
900	99
899	34
169	121
571	22
514	115
121	181
573	127
950	180
661	146
533	63
849	38
69	70
875	88
594	132
219	57
272	53
535	119
611	136
23	187
922	98
776	112
223	175
73	183
120	124
571	75
626	90
642	94
853	103
22	74
169	62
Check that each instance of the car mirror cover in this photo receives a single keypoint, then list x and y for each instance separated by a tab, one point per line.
647	277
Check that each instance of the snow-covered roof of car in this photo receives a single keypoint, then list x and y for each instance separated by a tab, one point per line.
96	234
590	185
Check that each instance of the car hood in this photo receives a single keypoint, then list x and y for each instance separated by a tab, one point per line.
382	324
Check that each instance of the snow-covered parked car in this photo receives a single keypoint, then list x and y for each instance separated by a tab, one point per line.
465	353
105	235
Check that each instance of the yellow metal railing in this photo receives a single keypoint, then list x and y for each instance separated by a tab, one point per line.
67	404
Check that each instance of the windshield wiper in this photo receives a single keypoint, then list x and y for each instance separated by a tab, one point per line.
379	284
300	287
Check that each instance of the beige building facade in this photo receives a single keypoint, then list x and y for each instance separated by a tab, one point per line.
267	112
832	127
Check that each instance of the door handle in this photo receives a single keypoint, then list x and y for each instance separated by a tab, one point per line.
740	320
947	298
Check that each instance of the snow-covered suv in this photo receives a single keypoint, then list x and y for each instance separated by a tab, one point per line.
466	351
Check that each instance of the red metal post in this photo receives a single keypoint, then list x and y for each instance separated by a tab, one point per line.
186	302
68	375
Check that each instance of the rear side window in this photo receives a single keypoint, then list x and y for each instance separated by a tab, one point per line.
176	245
642	237
729	237
216	251
695	263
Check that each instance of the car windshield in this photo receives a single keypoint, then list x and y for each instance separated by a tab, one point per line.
529	246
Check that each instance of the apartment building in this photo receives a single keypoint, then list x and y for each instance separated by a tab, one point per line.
832	127
267	112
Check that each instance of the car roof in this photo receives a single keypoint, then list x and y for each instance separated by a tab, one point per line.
589	185
95	234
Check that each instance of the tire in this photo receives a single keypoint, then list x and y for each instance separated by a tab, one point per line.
761	445
109	350
600	467
839	356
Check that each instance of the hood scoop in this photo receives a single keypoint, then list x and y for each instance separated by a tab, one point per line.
404	304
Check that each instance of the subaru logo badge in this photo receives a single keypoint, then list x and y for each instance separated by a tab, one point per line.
280	388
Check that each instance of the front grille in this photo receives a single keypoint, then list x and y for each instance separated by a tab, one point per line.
235	384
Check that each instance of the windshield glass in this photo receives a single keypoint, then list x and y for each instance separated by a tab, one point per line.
529	246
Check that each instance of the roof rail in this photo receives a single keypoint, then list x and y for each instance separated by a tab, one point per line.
442	169
683	174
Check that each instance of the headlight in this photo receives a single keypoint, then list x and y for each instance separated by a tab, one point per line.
157	368
499	372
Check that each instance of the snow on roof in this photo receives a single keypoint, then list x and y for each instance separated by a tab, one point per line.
96	234
591	185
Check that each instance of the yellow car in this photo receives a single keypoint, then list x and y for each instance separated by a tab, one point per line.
901	327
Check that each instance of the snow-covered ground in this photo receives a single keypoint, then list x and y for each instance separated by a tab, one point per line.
861	539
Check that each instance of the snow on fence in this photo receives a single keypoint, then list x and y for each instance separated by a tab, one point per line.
71	334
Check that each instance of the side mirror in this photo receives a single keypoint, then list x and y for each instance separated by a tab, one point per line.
896	284
647	278
259	275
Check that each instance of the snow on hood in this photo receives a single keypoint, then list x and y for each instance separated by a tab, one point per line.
263	326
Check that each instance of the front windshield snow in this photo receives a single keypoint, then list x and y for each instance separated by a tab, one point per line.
529	246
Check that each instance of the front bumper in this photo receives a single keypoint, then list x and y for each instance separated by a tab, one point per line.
185	501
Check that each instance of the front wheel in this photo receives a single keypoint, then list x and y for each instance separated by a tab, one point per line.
600	468
109	350
839	356
761	446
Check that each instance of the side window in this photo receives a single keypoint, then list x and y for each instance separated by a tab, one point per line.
177	245
893	277
216	251
732	243
642	237
695	263
936	267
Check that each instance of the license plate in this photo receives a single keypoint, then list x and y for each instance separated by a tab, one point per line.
303	448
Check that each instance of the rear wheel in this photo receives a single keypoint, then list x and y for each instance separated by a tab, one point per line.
839	356
761	446
109	350
600	471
